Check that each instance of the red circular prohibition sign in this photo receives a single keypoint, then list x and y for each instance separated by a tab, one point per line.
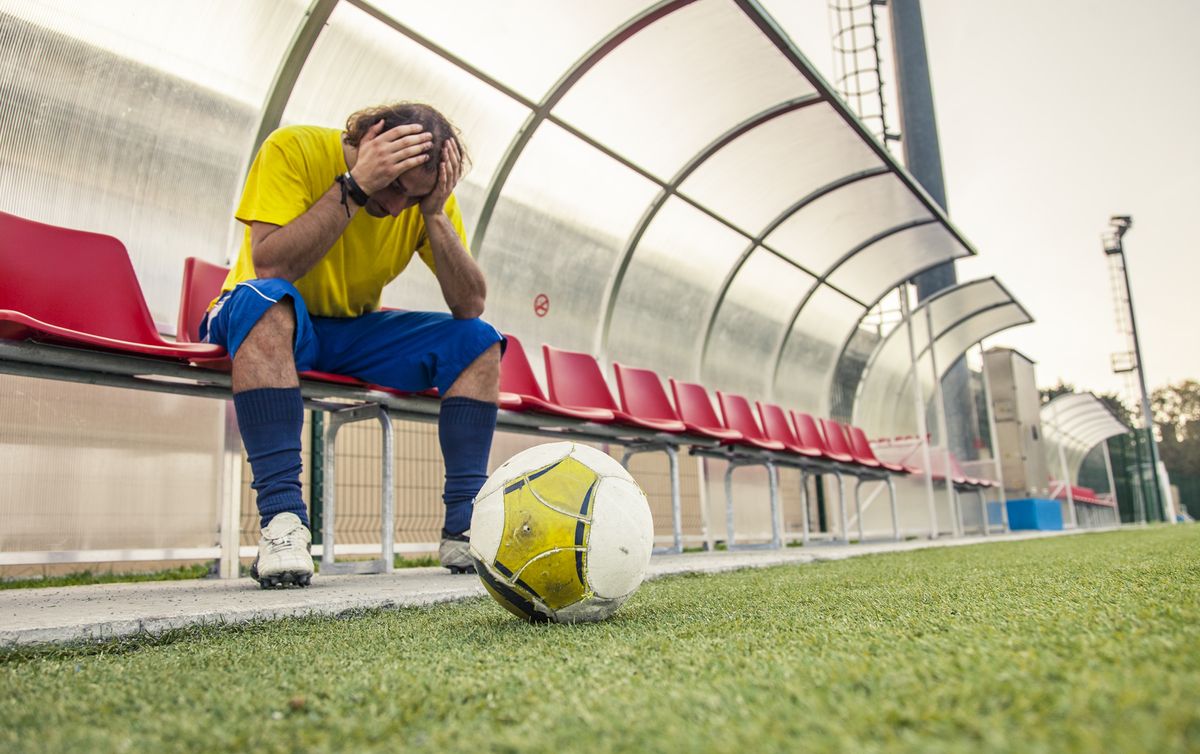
541	305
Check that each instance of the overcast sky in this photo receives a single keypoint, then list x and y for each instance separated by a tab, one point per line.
1053	116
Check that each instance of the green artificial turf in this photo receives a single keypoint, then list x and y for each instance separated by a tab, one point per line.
86	578
1084	643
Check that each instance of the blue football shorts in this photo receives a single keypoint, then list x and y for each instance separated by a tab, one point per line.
409	351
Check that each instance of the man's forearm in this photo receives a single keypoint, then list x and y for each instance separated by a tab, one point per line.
462	282
290	251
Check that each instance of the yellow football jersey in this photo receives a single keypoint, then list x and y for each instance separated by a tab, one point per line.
293	169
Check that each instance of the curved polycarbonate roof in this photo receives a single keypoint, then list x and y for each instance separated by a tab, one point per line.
674	177
1076	423
958	318
672	181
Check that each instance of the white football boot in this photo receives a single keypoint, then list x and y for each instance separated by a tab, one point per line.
455	553
283	556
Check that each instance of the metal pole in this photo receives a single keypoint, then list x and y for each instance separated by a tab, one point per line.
1122	225
1066	473
922	427
702	475
1112	484
387	504
229	565
1062	462
316	474
992	437
939	405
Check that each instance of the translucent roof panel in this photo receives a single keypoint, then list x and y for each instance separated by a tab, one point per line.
750	322
557	231
669	289
358	61
524	44
886	263
1076	423
224	46
810	353
949	345
137	119
755	178
966	300
820	233
955	341
673	87
961	317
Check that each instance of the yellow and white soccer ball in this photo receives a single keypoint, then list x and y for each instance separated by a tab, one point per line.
561	532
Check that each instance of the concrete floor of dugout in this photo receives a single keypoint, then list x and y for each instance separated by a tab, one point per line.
80	613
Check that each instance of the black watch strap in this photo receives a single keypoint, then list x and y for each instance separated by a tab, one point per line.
359	196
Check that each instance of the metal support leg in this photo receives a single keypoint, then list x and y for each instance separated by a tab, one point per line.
895	514
773	485
229	565
804	506
329	564
676	496
842	507
891	490
983	511
776	512
858	509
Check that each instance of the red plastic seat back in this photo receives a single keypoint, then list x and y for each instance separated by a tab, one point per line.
775	424
807	433
642	393
575	379
739	415
72	279
516	373
202	282
860	446
694	406
835	437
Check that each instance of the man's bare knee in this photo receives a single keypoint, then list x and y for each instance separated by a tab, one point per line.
481	379
264	358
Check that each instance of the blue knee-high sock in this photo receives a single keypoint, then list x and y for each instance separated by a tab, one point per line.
465	428
270	420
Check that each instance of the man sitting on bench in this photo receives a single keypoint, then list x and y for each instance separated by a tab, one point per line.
305	292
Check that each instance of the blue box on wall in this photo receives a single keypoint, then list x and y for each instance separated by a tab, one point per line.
1035	513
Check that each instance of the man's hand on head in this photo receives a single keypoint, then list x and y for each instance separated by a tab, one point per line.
383	156
449	173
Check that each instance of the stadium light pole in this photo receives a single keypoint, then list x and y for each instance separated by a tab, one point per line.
1114	245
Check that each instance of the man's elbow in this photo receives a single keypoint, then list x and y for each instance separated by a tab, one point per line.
469	309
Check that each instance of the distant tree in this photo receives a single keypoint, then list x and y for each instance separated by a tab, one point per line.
1050	393
1177	418
1117	405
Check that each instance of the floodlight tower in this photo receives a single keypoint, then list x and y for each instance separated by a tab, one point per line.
1130	360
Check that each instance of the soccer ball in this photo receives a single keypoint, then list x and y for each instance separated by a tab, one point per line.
561	532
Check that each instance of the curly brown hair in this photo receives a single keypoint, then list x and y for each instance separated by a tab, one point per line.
403	113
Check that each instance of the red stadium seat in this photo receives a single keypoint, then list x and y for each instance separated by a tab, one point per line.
809	435
202	282
739	416
519	389
835	440
642	395
776	427
77	288
575	380
696	411
860	447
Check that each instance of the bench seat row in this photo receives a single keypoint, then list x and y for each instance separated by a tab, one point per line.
65	293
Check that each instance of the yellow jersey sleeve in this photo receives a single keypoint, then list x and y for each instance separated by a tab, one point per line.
278	190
